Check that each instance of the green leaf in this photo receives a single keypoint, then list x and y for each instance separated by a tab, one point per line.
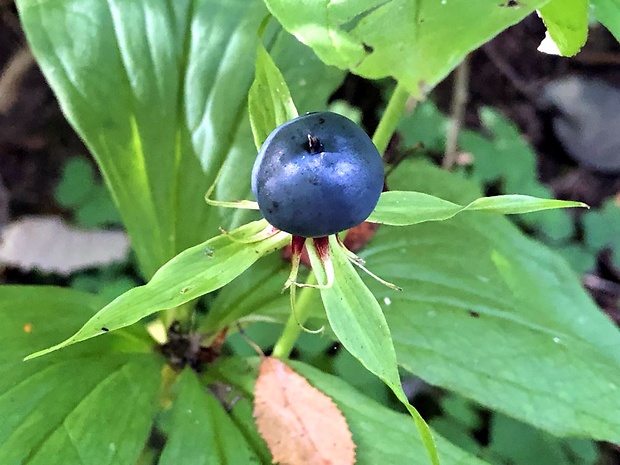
578	257
602	229
425	125
76	183
195	272
257	295
506	159
608	13
269	101
412	41
242	413
92	403
567	24
99	210
248	293
496	317
400	208
159	95
368	420
358	322
505	155
535	446
201	432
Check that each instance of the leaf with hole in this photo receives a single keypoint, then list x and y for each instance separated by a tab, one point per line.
412	41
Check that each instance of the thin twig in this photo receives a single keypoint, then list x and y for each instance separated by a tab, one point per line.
460	96
597	283
249	341
12	76
597	58
399	102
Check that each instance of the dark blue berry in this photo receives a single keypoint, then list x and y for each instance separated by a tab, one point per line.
317	175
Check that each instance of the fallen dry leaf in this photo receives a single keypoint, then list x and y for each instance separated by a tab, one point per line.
48	244
300	424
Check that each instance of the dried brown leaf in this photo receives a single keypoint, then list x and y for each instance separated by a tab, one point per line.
48	244
300	424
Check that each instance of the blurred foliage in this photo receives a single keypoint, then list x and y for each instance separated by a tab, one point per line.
82	192
509	441
79	190
344	108
502	162
602	229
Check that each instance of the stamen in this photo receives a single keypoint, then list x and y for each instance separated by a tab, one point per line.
359	262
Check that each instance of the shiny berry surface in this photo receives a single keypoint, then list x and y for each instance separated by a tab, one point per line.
317	175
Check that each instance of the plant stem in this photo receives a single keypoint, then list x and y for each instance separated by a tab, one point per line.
296	319
459	105
391	117
181	313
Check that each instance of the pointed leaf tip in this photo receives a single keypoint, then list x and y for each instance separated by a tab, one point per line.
401	208
300	424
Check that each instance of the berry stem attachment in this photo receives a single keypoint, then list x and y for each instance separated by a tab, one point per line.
391	117
314	145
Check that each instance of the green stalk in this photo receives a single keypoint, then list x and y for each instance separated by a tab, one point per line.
391	117
296	320
182	314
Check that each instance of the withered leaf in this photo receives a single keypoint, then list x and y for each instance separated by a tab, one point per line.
300	424
48	244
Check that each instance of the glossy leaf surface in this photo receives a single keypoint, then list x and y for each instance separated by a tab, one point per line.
201	431
400	208
410	40
158	91
357	320
495	316
93	403
193	273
